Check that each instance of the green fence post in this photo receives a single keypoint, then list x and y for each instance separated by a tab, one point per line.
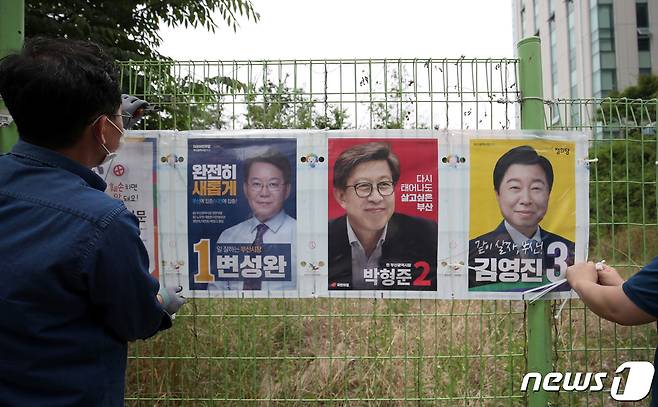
532	117
12	16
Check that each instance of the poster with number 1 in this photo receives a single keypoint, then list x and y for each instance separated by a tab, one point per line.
241	199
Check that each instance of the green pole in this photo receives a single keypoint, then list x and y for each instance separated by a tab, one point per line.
12	29
532	117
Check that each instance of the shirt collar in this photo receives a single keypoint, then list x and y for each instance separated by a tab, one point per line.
273	223
518	237
52	158
351	236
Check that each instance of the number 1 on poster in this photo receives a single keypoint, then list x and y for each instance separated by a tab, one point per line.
202	249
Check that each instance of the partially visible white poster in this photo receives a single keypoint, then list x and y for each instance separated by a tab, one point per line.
132	178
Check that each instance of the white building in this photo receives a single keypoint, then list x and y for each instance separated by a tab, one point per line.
590	47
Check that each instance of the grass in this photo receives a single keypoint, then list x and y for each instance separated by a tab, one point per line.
380	352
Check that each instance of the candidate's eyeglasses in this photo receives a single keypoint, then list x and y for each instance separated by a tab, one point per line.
364	189
257	186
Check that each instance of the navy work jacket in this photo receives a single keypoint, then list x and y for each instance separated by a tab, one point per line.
642	289
74	284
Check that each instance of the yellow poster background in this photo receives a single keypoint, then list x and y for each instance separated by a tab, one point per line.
485	213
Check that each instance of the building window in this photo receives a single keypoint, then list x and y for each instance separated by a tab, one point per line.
604	69
643	37
642	14
645	71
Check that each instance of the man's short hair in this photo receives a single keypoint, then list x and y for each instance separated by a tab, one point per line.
54	88
360	154
524	155
272	157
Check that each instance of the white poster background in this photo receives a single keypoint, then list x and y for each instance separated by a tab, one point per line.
130	178
312	206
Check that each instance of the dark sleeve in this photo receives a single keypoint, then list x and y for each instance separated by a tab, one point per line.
120	285
642	288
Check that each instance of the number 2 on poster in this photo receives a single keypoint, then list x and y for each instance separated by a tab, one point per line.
421	280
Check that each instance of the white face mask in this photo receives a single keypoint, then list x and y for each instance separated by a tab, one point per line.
112	155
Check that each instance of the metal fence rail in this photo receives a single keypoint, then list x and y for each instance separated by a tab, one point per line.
623	220
462	93
393	352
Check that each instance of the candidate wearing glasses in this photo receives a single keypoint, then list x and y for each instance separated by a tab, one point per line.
267	185
371	234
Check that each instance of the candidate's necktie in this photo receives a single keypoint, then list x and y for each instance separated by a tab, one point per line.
253	284
260	231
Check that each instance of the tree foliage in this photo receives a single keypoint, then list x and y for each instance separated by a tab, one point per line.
128	29
186	103
624	187
646	88
277	106
625	175
398	106
635	109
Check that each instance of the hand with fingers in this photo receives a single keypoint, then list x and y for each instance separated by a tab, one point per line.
134	109
581	272
171	299
608	276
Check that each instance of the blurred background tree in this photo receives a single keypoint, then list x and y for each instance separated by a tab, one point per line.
128	31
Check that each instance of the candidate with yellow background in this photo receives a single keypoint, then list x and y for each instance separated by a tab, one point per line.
522	213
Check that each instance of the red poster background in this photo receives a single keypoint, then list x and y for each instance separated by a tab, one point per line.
417	156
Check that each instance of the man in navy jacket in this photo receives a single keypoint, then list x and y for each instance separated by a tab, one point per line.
74	280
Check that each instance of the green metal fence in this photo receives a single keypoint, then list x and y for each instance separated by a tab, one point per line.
358	351
351	351
623	220
331	351
364	351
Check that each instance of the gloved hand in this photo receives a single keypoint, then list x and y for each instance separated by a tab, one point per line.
171	299
135	107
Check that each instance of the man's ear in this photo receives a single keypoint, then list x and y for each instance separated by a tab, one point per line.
339	196
98	130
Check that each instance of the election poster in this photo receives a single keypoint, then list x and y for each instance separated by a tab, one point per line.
131	177
382	230
241	217
522	228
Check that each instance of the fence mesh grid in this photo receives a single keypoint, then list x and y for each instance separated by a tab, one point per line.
391	352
